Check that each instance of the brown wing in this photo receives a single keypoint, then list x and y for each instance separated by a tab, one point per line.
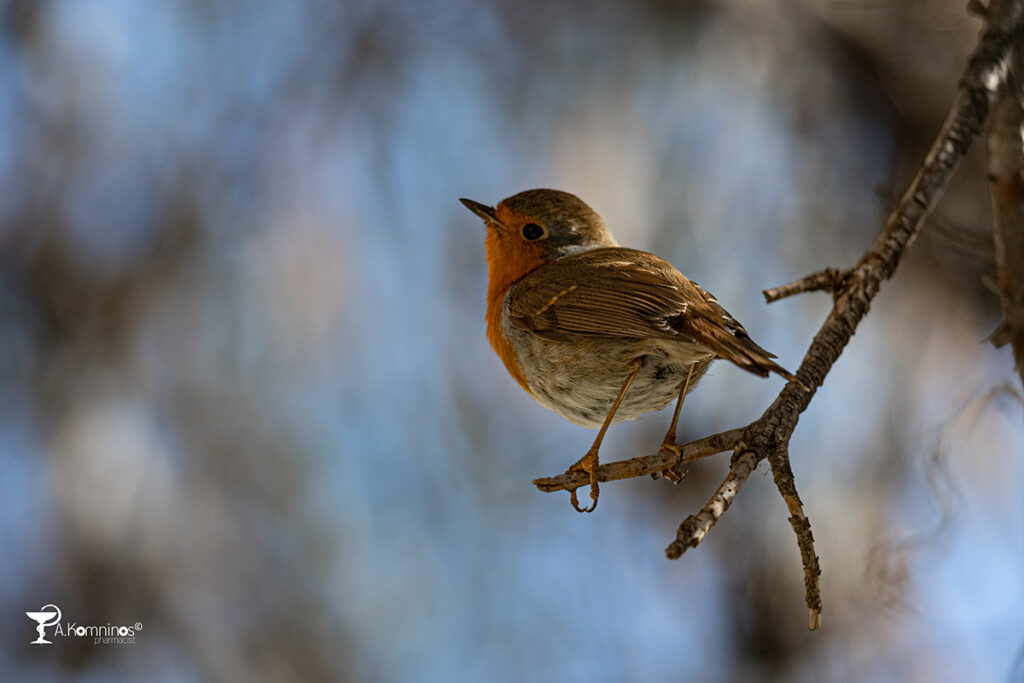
626	293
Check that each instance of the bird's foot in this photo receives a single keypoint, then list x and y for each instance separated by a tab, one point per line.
670	447
589	464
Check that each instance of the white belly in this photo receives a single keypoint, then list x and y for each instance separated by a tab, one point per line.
579	380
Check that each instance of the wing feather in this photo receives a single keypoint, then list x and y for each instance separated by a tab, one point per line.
618	292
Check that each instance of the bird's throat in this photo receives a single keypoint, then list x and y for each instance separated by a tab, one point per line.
509	259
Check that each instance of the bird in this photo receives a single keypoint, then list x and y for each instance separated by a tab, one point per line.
596	332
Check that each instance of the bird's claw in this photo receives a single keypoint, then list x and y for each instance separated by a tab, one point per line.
588	463
576	502
670	447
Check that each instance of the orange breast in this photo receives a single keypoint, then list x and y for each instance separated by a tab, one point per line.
509	259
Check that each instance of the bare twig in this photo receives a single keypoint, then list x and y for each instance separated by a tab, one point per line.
651	464
695	527
784	480
828	280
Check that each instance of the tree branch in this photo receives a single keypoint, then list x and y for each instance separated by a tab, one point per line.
651	464
853	290
828	280
785	482
695	527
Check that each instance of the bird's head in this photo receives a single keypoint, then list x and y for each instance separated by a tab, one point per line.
531	228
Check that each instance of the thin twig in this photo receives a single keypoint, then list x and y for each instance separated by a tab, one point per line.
650	464
695	527
784	480
828	280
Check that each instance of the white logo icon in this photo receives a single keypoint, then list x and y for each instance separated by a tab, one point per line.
48	615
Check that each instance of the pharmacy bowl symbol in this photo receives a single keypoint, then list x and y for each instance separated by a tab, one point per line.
48	615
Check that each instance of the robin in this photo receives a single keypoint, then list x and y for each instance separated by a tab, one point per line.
593	331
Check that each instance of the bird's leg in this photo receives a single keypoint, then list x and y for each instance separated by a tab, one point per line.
669	443
589	462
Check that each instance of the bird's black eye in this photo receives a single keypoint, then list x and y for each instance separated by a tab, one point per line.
532	231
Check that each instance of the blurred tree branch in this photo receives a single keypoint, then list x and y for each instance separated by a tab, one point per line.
984	78
1006	178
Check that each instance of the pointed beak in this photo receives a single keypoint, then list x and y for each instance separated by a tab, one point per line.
482	210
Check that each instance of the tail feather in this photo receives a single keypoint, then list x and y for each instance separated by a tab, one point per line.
738	348
723	334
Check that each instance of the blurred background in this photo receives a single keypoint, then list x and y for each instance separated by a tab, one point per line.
246	398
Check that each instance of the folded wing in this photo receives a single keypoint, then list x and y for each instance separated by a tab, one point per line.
618	292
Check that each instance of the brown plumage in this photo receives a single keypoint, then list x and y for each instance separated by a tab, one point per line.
597	332
613	292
